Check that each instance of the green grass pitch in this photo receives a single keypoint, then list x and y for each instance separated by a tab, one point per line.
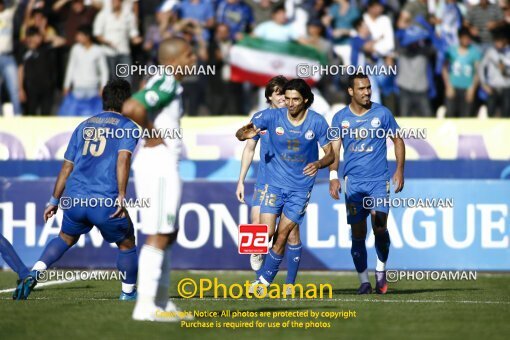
411	310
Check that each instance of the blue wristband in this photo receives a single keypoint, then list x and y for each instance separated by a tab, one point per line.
53	201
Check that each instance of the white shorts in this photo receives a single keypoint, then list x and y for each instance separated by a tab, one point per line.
157	177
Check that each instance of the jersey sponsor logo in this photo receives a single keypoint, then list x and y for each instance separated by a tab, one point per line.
345	124
151	97
279	131
309	135
375	122
253	239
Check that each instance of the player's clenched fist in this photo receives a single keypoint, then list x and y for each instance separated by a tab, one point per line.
334	188
246	132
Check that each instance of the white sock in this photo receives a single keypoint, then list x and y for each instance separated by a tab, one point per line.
149	273
380	266
363	276
128	287
40	266
164	281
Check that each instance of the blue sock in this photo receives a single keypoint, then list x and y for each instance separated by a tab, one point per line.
127	262
271	266
12	259
359	254
293	259
261	270
382	246
53	251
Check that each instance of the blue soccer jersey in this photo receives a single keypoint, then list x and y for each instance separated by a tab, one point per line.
364	142
290	147
263	139
93	150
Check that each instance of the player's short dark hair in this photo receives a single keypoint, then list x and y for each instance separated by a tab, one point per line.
38	11
85	30
276	84
373	3
501	33
277	8
358	75
302	87
115	93
357	23
32	31
464	31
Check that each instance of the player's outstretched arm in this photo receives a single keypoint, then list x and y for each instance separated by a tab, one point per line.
400	155
311	169
123	166
246	132
58	190
246	159
334	183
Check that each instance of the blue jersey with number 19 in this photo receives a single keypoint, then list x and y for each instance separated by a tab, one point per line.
291	147
93	150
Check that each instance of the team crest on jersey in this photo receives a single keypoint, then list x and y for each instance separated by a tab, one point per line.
279	131
345	124
151	97
263	132
309	135
375	122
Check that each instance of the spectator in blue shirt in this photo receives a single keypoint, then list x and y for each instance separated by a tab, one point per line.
237	15
201	11
460	75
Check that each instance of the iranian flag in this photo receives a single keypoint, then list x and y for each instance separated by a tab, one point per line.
257	60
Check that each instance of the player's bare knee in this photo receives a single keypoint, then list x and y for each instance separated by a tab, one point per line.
294	237
379	223
255	216
70	240
359	230
127	243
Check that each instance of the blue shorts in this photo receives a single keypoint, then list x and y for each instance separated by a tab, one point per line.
292	203
361	197
80	220
258	194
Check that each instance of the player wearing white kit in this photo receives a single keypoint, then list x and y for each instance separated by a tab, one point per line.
157	176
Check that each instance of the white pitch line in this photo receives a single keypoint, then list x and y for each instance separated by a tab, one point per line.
284	300
353	300
43	284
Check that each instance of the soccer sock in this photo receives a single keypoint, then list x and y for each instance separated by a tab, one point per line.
51	254
359	255
382	247
261	270
271	267
149	273
293	260
127	263
164	281
12	259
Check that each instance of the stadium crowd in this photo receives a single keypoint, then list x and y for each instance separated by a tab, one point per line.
56	55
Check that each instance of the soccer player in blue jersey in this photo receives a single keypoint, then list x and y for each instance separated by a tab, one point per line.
292	162
276	99
12	259
96	166
366	175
